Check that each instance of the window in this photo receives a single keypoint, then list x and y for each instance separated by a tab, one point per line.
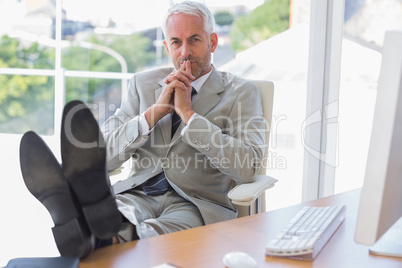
283	59
365	25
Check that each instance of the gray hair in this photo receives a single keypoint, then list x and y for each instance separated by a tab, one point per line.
195	9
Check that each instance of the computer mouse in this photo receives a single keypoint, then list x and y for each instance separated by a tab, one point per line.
239	259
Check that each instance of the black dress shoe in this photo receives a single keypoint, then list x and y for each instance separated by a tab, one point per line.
44	178
83	156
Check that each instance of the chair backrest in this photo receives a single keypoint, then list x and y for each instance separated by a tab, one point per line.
267	99
266	89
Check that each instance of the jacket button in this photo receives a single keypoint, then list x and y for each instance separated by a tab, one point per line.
165	164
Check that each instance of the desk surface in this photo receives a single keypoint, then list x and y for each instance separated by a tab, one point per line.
205	246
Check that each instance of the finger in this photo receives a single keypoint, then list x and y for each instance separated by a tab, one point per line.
188	67
183	78
177	84
183	72
169	79
173	75
183	66
180	77
185	69
183	94
169	89
188	70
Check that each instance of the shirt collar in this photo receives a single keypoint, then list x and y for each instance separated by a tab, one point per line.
197	84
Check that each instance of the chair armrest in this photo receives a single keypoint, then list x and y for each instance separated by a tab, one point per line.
116	171
120	173
245	194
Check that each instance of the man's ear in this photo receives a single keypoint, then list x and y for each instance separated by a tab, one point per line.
214	42
166	46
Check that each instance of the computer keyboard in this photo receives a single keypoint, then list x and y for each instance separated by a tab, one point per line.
307	233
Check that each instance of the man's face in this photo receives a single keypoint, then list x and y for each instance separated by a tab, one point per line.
187	40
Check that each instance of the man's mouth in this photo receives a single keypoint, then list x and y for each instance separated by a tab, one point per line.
191	62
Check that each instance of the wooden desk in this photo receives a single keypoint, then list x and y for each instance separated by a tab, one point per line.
205	246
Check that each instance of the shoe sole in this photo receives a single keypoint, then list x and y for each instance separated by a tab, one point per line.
44	178
84	164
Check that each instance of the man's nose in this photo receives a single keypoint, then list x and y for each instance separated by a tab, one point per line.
185	50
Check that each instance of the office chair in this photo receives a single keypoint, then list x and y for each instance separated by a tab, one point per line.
249	198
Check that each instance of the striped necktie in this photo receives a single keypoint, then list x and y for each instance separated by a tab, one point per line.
158	184
176	120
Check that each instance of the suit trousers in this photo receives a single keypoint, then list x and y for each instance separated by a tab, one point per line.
155	215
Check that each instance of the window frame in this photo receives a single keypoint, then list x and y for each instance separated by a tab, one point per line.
323	80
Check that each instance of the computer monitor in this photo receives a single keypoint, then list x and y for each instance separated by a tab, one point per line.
381	196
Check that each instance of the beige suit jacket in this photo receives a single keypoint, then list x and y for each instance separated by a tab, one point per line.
223	145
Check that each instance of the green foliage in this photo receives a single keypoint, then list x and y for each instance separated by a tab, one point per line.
262	23
223	18
133	48
20	96
27	102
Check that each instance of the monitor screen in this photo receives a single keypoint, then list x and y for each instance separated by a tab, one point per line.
381	197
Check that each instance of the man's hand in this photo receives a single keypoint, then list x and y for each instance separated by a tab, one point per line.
176	96
183	74
163	106
181	81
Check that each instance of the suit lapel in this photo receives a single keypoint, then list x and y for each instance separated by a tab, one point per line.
209	95
166	122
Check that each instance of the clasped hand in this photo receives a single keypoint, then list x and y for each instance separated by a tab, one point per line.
176	96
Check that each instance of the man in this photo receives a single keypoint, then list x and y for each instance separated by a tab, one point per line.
191	132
